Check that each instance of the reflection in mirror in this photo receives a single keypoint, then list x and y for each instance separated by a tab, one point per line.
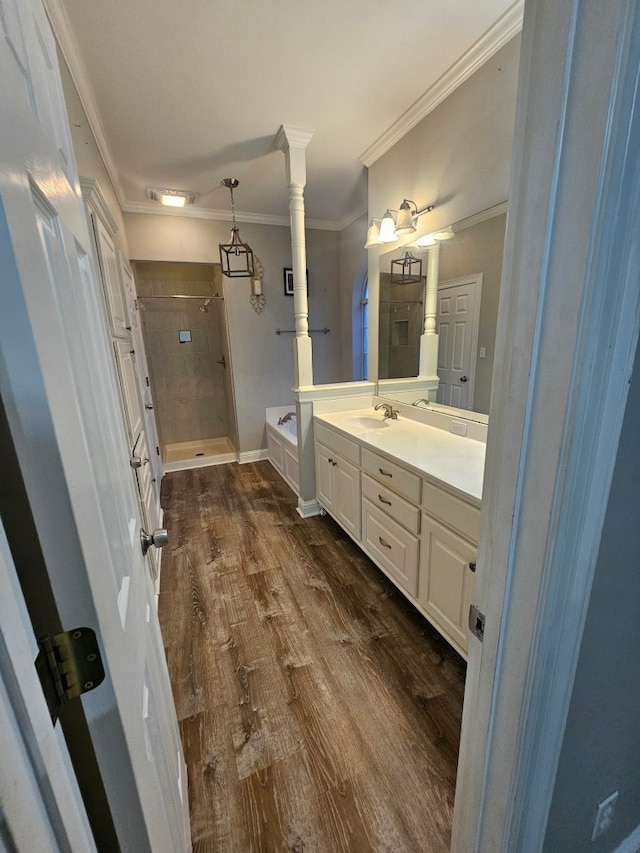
470	267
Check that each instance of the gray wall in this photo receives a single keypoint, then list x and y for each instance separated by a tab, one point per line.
479	249
459	156
601	747
262	361
353	270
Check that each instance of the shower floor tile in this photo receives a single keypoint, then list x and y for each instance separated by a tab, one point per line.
196	454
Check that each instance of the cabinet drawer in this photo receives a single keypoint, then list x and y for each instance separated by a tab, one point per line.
391	503
452	510
391	546
392	475
338	442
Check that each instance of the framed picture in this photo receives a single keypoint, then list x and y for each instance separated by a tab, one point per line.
288	281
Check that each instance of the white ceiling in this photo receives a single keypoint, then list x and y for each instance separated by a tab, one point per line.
184	94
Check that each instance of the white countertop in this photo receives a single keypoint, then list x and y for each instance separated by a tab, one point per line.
452	460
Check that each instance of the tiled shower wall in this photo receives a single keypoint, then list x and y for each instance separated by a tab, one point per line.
187	381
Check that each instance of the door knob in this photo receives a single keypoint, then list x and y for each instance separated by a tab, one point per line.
158	538
464	379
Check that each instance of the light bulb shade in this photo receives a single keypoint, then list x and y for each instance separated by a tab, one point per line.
236	257
425	242
373	235
445	234
406	270
387	228
404	219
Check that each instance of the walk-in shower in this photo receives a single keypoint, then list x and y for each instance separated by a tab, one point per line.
189	361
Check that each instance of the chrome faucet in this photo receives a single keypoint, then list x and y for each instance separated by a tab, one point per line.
286	418
389	411
421	400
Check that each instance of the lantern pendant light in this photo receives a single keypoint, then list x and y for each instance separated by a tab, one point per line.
236	257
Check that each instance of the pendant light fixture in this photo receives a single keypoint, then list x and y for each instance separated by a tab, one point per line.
406	270
236	257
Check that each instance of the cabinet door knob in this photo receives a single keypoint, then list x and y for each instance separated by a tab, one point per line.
472	566
384	500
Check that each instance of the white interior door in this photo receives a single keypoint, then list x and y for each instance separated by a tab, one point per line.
60	390
40	805
457	326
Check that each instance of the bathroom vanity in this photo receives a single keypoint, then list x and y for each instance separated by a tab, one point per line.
409	494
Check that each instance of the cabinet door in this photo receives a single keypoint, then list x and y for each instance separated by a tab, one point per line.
347	495
325	479
446	582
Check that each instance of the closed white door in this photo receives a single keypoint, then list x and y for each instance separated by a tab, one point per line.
457	326
60	391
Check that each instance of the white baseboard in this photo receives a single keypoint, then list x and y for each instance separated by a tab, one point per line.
306	509
253	456
631	844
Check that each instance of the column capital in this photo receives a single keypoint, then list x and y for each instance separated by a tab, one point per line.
289	137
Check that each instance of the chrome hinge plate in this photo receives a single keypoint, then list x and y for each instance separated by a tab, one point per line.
476	622
68	665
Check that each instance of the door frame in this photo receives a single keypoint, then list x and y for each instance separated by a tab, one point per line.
475	279
568	328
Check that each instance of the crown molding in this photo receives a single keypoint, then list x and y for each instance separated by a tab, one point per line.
69	49
505	28
154	209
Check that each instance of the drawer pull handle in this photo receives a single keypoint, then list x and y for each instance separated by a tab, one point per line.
384	500
384	543
472	566
385	473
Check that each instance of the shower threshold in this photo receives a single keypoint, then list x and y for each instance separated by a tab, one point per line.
198	454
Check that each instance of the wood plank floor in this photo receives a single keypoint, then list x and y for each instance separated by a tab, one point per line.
318	711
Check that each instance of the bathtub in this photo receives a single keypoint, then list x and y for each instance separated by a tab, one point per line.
282	444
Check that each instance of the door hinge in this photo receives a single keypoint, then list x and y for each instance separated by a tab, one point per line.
476	622
68	665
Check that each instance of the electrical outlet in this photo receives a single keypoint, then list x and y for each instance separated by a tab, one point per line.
604	817
458	427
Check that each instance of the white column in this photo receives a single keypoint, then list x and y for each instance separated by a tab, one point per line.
293	142
429	338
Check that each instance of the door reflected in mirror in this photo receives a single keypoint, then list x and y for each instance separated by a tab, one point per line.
470	267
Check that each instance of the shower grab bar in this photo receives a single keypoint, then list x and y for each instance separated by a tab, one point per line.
324	331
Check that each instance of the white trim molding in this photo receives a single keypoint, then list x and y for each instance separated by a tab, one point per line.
505	28
69	49
253	455
568	328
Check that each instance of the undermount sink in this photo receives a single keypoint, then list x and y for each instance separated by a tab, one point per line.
367	422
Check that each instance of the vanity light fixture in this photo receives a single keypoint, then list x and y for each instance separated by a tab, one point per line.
373	234
171	198
435	237
236	257
390	227
406	270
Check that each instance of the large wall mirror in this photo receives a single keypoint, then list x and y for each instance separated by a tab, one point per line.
470	268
